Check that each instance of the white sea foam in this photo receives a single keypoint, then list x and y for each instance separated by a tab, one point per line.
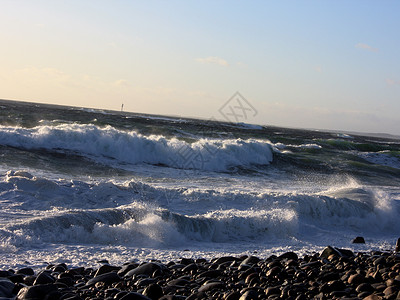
137	214
107	143
383	158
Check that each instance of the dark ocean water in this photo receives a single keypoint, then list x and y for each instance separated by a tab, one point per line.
77	183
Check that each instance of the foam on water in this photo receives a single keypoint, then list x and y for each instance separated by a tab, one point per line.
107	143
137	214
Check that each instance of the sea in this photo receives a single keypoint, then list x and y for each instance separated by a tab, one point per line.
84	186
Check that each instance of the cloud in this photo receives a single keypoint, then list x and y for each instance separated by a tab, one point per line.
366	47
390	81
121	83
318	69
213	60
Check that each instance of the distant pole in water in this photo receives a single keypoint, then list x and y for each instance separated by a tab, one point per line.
122	107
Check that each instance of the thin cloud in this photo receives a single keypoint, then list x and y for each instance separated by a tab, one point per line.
366	47
391	82
121	83
213	60
318	69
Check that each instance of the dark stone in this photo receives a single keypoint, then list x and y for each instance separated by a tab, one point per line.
190	267
68	281
76	271
274	271
179	282
289	255
364	287
36	291
6	273
172	297
224	259
186	261
153	291
25	271
106	278
74	297
147	269
134	296
145	282
17	278
60	268
272	290
197	296
234	295
211	286
6	287
356	279
358	240
106	269
44	278
251	260
328	251
29	280
328	276
391	290
126	268
335	285
210	274
398	245
249	295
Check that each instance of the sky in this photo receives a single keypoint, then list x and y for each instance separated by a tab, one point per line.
305	64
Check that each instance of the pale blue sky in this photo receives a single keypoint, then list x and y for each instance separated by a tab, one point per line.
309	64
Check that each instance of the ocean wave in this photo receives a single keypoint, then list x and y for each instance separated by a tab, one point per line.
107	144
141	215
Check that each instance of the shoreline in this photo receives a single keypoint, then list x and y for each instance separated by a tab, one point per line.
330	274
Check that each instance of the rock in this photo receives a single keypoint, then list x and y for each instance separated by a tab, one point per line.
249	295
289	255
134	296
186	261
233	295
358	240
6	273
373	297
251	260
190	267
398	245
211	286
328	251
106	269
224	259
36	291
210	274
364	287
391	290
145	269
356	279
272	290
25	271
107	278
126	268
178	282
153	291
44	278
6	287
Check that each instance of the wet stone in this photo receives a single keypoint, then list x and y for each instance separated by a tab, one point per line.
26	271
6	287
106	278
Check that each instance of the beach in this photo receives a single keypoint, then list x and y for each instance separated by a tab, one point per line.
332	274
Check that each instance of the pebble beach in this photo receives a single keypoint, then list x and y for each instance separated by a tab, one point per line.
332	274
